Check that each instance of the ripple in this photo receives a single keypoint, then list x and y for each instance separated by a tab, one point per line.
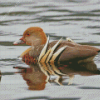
76	19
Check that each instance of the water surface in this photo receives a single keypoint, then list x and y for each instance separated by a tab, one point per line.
76	19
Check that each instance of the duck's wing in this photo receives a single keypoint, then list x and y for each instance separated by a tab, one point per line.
75	51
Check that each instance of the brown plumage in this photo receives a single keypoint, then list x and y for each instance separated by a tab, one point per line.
35	37
75	51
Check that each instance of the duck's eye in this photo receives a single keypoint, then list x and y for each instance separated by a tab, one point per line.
28	34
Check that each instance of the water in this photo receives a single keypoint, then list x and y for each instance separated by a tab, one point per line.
76	19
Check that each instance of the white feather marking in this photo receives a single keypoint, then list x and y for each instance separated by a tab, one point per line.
45	56
69	40
43	50
55	55
71	77
45	72
56	69
52	50
57	80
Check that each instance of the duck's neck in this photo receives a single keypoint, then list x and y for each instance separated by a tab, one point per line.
43	38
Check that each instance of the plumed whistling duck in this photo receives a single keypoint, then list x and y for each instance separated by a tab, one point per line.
57	51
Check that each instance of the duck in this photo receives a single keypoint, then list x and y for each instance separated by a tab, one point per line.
63	51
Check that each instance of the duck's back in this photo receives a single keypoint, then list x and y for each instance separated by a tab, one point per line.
75	52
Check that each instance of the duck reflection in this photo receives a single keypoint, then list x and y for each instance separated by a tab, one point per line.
36	76
33	76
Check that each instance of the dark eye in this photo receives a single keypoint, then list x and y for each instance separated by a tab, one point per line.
28	34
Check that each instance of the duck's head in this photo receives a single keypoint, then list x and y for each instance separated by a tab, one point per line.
32	36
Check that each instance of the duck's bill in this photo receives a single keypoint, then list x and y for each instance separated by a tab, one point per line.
20	41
